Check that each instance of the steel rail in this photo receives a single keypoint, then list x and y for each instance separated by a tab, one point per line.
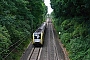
55	48
35	53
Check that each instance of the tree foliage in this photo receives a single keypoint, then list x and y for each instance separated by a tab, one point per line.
18	20
72	18
71	8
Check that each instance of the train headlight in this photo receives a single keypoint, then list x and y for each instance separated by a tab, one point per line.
36	40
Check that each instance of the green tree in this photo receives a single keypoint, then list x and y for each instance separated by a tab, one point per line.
72	18
18	20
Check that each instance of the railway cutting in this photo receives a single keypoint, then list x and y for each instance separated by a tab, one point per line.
51	49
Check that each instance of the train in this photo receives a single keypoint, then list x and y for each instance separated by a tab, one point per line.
38	35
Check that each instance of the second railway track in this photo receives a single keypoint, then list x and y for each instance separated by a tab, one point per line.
35	53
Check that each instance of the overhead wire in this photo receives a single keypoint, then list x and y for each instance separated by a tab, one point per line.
21	41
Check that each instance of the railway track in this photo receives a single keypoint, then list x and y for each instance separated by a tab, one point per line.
35	53
52	45
51	49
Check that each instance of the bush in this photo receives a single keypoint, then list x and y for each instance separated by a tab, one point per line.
76	38
4	41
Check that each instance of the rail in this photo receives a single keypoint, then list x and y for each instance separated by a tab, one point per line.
35	53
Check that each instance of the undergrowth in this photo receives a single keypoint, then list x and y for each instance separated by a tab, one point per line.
76	38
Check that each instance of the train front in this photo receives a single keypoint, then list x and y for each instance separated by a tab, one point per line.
37	39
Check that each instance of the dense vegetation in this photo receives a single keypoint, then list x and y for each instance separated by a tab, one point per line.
72	19
18	19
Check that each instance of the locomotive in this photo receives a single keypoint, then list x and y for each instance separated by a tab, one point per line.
38	35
